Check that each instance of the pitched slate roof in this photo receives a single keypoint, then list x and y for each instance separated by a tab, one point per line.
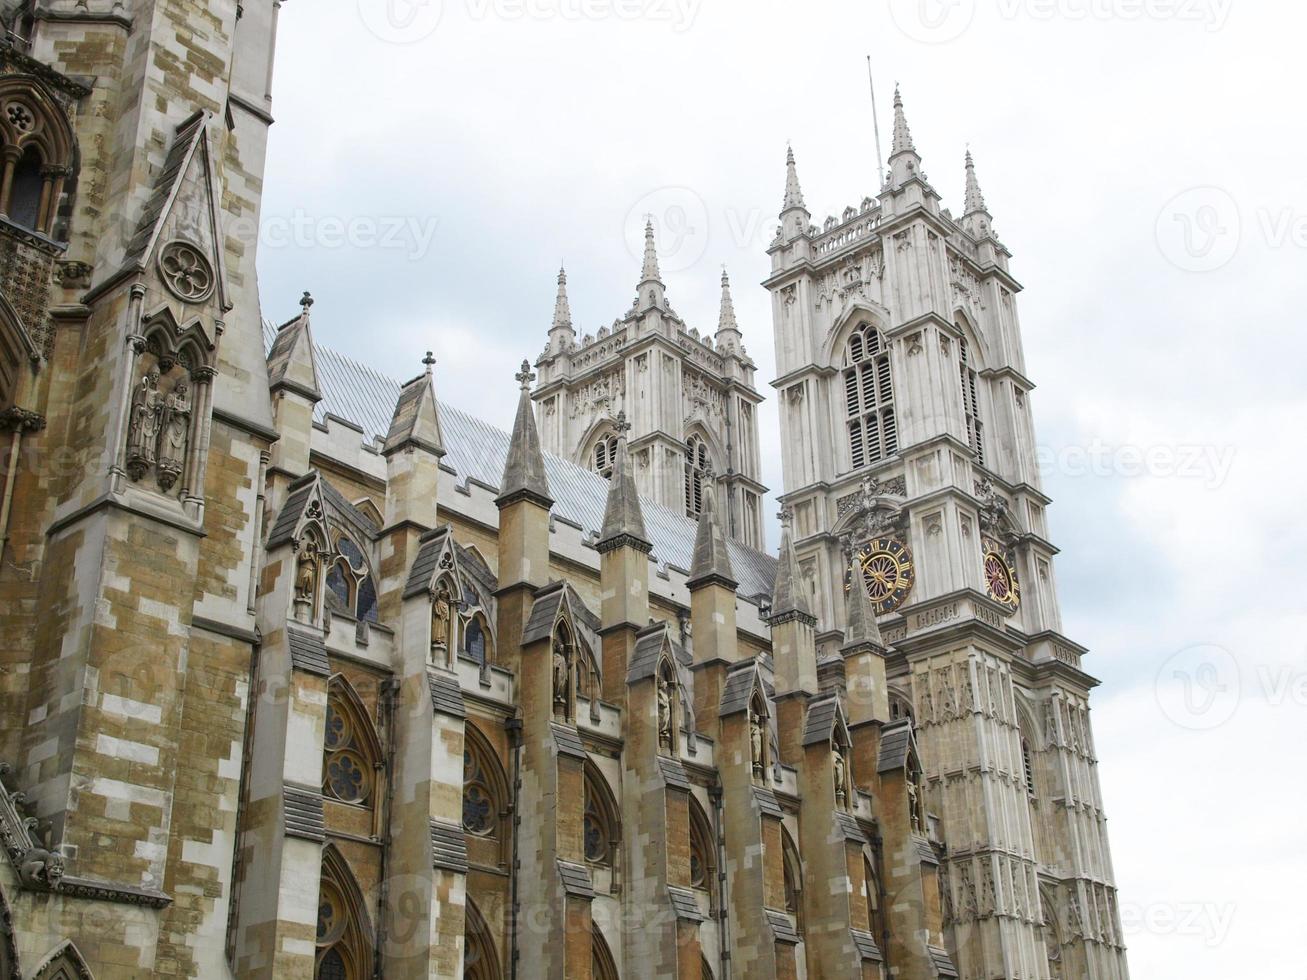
819	726
866	945
476	451
941	962
648	645
307	652
895	741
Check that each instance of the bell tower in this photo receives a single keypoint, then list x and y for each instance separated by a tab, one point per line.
908	453
689	398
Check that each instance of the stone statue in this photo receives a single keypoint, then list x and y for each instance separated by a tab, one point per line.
664	711
562	672
174	431
40	868
306	572
841	774
914	805
440	617
755	741
143	432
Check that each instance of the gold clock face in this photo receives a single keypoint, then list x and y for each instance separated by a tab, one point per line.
1001	578
887	572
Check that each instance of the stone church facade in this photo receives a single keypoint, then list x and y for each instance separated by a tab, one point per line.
305	673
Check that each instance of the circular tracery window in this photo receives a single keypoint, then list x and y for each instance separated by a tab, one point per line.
20	117
186	272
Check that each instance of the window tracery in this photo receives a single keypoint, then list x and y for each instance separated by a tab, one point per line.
604	455
36	154
344	949
869	398
698	474
480	962
351	589
351	752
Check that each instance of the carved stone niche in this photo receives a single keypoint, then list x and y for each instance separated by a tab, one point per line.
161	423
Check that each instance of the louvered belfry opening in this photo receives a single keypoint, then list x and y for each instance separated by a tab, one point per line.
869	398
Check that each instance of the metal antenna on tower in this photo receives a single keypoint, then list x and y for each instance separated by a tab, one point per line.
875	121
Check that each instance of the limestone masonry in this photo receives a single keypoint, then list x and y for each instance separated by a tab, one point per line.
306	674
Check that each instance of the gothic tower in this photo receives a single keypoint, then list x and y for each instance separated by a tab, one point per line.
690	401
137	424
908	452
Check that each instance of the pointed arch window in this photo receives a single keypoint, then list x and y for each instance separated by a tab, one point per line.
793	873
698	472
350	587
485	788
477	644
869	398
703	853
971	401
480	962
602	965
602	821
875	911
36	154
344	949
351	752
604	455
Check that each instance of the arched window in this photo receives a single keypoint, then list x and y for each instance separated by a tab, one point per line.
16	354
1028	767
350	586
705	971
480	962
485	789
869	398
871	895
971	401
477	642
351	753
344	934
793	870
602	965
605	453
698	472
703	853
900	707
603	827
36	153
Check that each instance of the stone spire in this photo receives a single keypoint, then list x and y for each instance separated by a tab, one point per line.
561	334
975	199
623	518
793	193
524	469
651	289
712	562
788	601
728	329
416	420
902	134
861	629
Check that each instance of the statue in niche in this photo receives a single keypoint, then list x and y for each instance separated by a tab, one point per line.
440	618
306	575
841	776
174	431
664	712
562	673
143	432
755	742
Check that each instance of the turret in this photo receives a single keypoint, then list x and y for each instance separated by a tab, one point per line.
728	335
561	335
904	161
651	292
795	217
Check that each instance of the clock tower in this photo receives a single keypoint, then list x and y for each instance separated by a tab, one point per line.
908	452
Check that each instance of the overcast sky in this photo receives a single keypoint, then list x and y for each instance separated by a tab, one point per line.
1143	159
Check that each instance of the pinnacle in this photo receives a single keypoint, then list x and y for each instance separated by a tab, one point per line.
650	273
524	469
711	562
902	134
861	629
975	200
788	600
793	193
623	518
562	308
726	321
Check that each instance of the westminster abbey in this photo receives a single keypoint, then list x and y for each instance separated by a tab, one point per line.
306	673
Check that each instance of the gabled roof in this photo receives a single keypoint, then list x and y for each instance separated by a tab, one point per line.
416	421
476	452
895	744
824	717
649	645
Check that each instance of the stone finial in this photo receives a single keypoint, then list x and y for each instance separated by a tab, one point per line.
788	601
306	301
429	361
975	200
623	517
902	134
562	308
524	468
793	193
650	272
861	629
711	562
726	320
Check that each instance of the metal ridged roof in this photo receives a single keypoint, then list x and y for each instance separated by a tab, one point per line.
476	450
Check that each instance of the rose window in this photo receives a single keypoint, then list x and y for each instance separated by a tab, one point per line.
186	272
